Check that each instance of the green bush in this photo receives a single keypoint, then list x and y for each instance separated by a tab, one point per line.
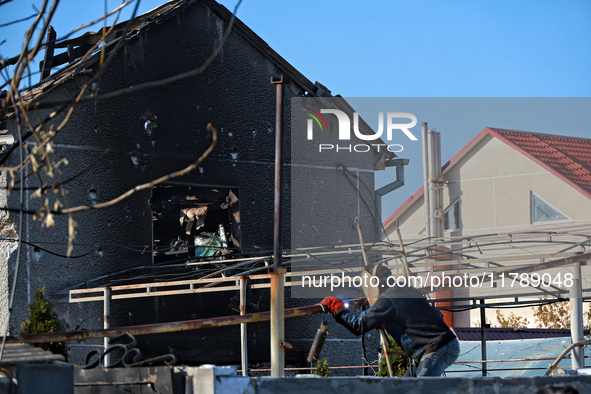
43	319
322	368
399	361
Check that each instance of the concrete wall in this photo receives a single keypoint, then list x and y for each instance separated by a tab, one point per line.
416	386
210	380
8	245
236	96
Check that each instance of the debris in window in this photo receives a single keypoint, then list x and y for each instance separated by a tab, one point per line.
207	244
193	215
194	222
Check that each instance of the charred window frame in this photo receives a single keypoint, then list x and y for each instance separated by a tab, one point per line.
194	222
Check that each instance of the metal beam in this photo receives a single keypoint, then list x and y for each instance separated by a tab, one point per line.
483	336
243	336
159	328
576	318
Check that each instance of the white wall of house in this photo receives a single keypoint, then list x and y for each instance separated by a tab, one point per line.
494	184
7	232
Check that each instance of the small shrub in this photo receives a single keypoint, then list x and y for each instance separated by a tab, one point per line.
399	361
43	319
322	368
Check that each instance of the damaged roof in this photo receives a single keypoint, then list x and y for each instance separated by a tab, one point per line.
141	24
83	54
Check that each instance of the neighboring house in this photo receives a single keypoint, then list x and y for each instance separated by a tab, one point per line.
115	144
506	181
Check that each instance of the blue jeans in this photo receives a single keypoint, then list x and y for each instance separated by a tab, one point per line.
434	363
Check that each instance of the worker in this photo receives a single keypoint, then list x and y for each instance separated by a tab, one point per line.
405	314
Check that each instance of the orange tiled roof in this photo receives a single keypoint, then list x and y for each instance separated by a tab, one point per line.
567	157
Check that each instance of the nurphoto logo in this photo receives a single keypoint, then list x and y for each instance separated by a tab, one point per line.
344	133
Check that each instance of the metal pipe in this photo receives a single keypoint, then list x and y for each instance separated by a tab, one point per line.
243	336
439	189
106	321
159	328
385	343
358	223
316	348
576	319
483	336
278	275
563	355
278	170
431	189
383	336
426	178
277	323
382	191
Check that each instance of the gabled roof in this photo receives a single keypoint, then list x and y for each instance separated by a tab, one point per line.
569	158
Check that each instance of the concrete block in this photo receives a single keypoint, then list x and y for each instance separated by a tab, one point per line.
56	378
480	385
210	379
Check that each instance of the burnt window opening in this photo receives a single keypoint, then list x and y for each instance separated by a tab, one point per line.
194	222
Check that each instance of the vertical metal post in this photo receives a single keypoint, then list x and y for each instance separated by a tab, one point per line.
278	275
278	171
277	323
385	344
439	184
243	336
431	190
106	317
576	318
426	178
483	335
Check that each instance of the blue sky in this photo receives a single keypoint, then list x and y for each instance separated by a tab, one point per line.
412	49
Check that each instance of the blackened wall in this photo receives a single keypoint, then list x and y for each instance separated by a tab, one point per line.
110	139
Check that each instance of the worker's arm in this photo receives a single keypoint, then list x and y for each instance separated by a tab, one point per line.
374	317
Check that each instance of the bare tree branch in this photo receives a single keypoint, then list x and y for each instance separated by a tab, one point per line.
18	20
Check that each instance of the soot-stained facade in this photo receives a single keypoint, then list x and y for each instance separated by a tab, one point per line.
117	143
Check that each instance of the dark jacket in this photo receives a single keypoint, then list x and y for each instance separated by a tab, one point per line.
405	314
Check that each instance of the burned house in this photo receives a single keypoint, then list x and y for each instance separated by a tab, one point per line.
222	209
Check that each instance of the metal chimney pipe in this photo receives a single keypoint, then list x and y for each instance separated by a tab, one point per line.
426	178
438	185
431	190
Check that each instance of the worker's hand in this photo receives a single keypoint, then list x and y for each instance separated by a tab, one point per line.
334	305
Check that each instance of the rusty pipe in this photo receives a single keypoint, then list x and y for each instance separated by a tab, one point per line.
278	211
159	328
277	322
